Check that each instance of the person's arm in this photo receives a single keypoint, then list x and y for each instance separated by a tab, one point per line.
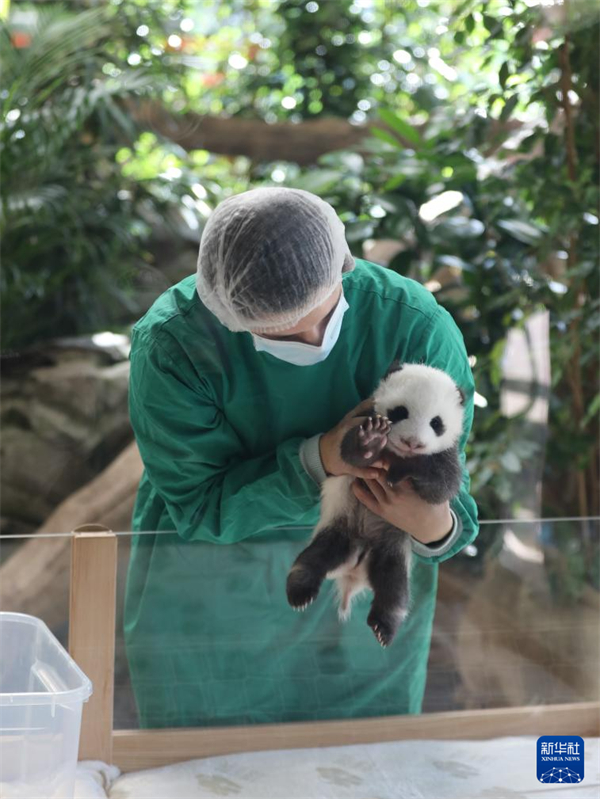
195	461
442	346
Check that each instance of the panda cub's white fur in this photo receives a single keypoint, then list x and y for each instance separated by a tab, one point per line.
416	423
351	577
426	392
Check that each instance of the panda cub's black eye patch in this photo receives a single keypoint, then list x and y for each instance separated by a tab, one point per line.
398	414
437	426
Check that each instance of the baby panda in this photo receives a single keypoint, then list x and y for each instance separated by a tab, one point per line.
415	424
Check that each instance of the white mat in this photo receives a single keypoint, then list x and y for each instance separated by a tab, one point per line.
502	768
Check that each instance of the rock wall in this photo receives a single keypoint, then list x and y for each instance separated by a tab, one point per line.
64	418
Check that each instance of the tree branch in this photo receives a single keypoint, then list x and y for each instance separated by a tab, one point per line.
282	141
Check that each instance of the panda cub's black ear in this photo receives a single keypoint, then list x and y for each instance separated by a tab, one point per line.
461	394
395	366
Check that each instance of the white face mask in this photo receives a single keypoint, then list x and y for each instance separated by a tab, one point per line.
301	354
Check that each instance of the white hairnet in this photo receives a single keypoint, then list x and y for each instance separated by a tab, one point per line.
270	256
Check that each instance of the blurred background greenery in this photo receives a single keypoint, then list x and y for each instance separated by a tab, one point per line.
458	141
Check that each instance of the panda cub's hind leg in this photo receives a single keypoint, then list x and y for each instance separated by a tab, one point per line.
331	547
388	570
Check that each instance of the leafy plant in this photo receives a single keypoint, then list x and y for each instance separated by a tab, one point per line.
73	225
295	59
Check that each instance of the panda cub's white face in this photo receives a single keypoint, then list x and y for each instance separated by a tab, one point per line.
425	408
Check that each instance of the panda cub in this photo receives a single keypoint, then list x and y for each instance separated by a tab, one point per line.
415	424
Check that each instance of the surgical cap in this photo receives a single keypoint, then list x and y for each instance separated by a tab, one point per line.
270	256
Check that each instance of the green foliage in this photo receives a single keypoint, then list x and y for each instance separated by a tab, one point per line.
318	53
73	225
295	59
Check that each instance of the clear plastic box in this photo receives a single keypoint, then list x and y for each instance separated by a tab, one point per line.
42	691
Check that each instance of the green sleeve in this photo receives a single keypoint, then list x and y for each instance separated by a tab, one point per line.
197	464
442	346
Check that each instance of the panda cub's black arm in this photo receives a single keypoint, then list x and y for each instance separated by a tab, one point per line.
363	444
436	478
399	468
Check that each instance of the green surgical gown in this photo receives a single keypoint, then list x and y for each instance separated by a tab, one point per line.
225	505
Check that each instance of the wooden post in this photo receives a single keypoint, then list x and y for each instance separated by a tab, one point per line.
92	615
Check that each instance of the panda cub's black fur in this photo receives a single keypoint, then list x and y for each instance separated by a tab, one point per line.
416	423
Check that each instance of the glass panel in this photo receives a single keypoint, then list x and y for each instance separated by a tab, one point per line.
206	637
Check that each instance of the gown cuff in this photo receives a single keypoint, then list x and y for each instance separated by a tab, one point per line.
310	458
439	547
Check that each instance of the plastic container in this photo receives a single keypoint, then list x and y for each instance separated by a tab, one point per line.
42	691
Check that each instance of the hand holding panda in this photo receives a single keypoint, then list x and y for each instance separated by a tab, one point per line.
414	428
403	508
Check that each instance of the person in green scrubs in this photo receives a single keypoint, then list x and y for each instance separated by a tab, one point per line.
244	379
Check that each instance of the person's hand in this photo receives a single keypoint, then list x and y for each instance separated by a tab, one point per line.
329	446
402	507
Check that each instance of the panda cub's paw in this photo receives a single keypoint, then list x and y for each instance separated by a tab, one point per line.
362	444
384	626
372	436
302	587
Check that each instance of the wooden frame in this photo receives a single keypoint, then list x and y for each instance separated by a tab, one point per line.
92	611
92	644
139	749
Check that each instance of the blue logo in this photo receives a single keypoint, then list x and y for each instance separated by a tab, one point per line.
560	758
